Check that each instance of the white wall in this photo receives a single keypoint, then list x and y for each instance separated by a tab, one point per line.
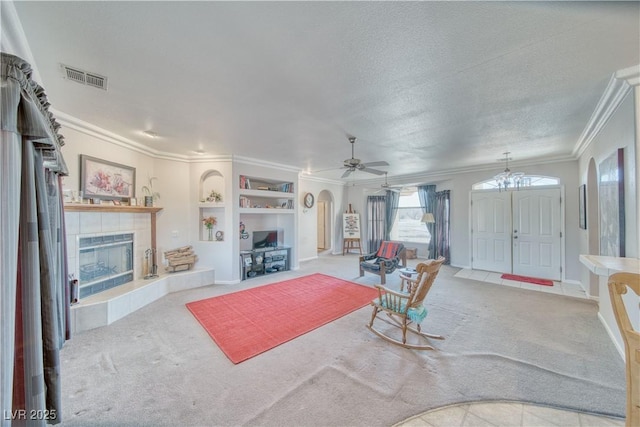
618	132
307	221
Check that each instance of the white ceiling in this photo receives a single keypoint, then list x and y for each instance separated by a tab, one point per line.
426	86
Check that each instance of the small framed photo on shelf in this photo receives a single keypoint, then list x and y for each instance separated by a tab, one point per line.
133	201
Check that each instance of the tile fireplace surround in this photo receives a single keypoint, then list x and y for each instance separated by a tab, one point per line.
108	306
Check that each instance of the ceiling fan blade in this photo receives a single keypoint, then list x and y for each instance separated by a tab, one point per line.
373	171
326	170
380	163
346	173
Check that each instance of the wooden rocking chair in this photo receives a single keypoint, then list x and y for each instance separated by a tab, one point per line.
618	284
406	308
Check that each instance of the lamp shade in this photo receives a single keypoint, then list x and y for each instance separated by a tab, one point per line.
428	218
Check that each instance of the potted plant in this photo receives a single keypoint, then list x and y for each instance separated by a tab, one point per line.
150	195
214	196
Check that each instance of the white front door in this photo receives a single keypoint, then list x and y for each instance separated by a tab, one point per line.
536	233
517	232
491	231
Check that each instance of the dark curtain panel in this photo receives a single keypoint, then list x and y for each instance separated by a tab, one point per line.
33	263
392	199
376	222
442	232
427	196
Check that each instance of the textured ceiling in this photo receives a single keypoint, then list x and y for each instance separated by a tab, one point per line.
425	86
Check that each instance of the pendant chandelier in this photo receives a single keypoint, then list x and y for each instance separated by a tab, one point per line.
509	180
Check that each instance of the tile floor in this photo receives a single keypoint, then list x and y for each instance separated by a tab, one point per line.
506	414
561	288
510	413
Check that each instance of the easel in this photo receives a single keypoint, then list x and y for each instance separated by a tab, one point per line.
349	243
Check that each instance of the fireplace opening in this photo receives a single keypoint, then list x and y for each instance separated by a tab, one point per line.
104	262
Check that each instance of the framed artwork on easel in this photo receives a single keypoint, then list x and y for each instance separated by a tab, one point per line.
351	225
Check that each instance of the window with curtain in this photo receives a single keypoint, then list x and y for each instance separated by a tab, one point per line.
34	296
376	206
407	226
443	225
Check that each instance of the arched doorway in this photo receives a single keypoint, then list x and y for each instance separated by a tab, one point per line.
325	221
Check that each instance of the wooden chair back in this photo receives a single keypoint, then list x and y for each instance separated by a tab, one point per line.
618	284
427	273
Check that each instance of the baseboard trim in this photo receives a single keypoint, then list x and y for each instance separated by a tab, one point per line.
611	336
106	307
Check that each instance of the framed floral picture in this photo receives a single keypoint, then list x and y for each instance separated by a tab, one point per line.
101	179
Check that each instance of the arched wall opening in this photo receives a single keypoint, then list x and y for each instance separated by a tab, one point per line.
326	221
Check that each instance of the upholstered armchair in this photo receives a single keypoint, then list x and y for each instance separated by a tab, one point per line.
384	261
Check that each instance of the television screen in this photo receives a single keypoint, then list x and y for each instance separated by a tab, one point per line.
265	239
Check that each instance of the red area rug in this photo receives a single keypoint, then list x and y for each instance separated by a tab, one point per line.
535	280
247	323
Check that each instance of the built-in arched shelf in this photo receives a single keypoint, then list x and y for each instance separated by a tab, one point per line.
525	181
211	180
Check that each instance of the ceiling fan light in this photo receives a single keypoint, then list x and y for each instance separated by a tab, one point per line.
508	179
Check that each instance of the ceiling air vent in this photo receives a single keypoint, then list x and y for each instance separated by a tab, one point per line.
79	76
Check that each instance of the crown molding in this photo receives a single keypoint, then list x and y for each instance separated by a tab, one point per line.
97	132
306	177
258	162
619	86
631	75
420	178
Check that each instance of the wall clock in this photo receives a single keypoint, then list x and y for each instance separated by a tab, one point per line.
308	200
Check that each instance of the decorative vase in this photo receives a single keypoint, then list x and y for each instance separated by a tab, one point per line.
210	229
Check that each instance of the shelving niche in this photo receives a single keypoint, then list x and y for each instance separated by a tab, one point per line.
211	180
266	204
260	195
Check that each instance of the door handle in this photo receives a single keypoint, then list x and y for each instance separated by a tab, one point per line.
515	231
515	237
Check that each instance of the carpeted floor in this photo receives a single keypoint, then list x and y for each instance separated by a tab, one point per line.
158	366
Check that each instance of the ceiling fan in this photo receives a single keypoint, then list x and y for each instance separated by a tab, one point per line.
385	186
353	164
